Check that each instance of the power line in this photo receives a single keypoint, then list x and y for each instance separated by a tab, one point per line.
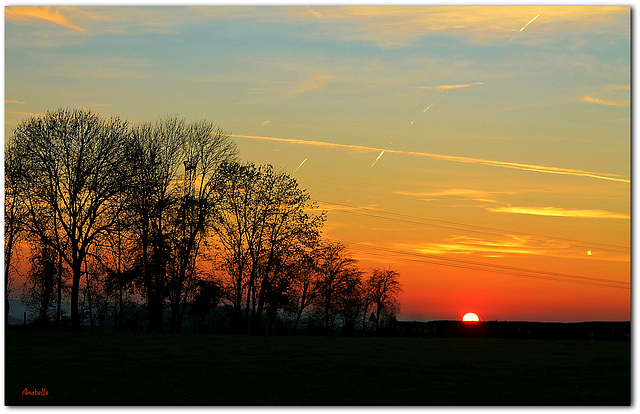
603	246
424	221
479	266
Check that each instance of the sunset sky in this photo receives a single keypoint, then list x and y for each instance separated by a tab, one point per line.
483	152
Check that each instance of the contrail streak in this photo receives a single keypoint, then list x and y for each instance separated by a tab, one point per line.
525	26
374	163
503	164
303	161
530	21
428	108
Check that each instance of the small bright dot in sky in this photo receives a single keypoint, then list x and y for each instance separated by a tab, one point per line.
589	252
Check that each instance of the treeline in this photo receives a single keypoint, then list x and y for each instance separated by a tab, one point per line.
164	213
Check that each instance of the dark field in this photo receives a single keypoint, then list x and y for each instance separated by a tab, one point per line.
144	369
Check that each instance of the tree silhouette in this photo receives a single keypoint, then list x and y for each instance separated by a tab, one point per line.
262	222
303	289
174	165
14	216
137	211
337	273
40	283
208	295
74	164
204	148
382	289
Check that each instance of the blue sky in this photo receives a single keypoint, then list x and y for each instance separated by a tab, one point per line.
544	87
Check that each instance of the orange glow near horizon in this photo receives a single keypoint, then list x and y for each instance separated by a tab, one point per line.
481	152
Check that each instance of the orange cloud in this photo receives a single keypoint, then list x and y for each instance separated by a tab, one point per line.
456	192
503	164
51	14
13	102
447	87
560	212
590	99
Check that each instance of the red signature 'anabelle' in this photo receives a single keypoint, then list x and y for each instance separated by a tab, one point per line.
41	392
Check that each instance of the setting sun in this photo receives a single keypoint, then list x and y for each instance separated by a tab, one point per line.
470	317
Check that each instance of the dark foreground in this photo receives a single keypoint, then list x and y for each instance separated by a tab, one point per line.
143	369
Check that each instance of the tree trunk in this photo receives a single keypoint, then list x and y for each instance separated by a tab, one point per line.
174	324
155	315
121	309
7	269
59	299
300	311
89	297
378	313
75	293
47	292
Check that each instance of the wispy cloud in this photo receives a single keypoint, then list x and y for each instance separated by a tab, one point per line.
591	99
498	246
559	212
509	245
618	87
329	207
448	87
387	26
266	122
475	195
313	12
112	67
452	192
25	14
502	164
391	26
24	114
311	82
13	102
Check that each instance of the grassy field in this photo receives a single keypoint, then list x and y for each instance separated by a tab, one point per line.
143	369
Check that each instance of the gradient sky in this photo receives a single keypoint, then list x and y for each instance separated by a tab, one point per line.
505	130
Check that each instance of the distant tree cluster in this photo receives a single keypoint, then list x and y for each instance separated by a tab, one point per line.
164	214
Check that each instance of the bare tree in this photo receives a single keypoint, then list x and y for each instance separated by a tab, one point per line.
14	216
204	147
73	171
118	257
337	272
262	221
173	164
304	287
382	290
237	230
289	229
41	283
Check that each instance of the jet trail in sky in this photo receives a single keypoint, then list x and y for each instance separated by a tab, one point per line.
374	163
428	108
454	158
530	21
303	161
525	26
